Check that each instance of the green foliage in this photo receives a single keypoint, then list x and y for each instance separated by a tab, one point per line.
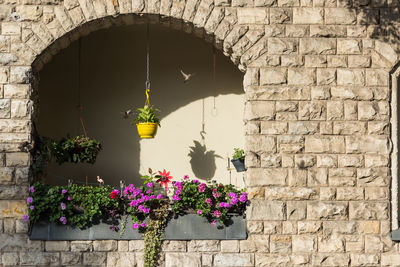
238	154
84	205
154	234
41	155
147	114
78	149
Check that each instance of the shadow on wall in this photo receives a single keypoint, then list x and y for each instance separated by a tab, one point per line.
202	161
112	80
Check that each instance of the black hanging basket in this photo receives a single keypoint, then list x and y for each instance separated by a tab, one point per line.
239	165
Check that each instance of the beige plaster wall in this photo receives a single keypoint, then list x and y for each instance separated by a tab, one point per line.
114	82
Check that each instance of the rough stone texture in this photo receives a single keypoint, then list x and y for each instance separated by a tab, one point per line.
317	119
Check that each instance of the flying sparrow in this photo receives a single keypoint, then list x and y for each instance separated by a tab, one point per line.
186	77
126	113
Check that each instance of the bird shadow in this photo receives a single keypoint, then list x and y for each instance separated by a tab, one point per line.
202	161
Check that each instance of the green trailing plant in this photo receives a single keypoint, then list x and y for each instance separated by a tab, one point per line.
77	149
41	156
238	154
147	114
154	234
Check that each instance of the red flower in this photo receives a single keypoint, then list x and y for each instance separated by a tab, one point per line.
165	178
114	194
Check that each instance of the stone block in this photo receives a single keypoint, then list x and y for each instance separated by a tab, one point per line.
272	260
266	176
9	226
334	110
308	15
376	160
301	76
230	259
326	76
317	46
291	61
105	245
303	243
280	243
297	177
282	46
337	16
10	28
10	259
136	245
21	227
57	246
94	258
5	108
12	208
331	243
349	92
309	227
120	259
327	210
280	15
376	77
364	259
378	127
330	259
348	193
266	210
172	245
272	76
273	127
259	110
255	243
253	227
232	245
350	77
260	144
367	144
71	258
282	93
349	128
348	47
203	246
373	176
39	258
368	227
17	159
252	15
20	74
327	31
81	246
326	161
296	210
183	259
358	61
325	144
296	31
313	110
376	193
368	210
290	193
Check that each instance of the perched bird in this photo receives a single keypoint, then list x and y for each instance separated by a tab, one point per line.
126	113
186	77
99	180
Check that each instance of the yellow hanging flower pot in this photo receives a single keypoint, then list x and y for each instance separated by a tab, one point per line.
147	129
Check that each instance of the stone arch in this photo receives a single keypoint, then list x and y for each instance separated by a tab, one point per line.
49	32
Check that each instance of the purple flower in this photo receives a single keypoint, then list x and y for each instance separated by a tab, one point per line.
234	201
64	191
227	205
216	194
176	197
217	213
69	198
160	196
243	197
186	177
222	204
214	223
63	220
199	212
26	217
231	194
150	185
208	201
143	224
32	189
135	226
202	187
146	210
195	181
63	206
29	200
32	207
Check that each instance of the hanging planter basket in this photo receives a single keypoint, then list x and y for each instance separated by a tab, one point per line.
147	129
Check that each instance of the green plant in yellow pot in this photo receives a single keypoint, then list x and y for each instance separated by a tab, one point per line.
147	122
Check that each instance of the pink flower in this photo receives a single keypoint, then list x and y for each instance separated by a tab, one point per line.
69	198
199	212
149	185
217	213
26	217
135	226
63	206
29	200
202	187
160	196
185	177
63	220
143	224
214	223
64	191
208	201
32	189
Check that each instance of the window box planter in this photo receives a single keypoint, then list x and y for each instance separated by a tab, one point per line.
186	227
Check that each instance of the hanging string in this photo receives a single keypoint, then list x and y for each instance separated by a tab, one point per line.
214	110
147	103
80	107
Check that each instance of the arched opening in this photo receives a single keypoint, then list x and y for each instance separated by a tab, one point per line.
201	122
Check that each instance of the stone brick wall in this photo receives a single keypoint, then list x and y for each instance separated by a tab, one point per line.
317	119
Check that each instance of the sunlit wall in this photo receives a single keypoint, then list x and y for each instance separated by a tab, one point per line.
201	121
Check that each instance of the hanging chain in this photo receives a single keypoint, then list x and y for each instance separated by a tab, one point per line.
214	111
80	107
147	66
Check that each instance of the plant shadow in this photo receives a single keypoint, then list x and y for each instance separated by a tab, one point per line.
202	161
